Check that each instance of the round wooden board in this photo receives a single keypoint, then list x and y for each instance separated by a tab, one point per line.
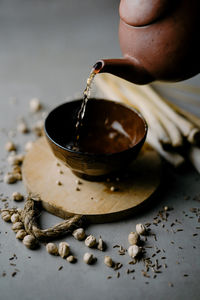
41	171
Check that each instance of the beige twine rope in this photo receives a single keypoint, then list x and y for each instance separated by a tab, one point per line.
30	215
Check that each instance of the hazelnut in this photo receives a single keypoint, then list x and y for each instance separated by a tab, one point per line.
15	218
35	105
90	241
108	261
10	178
88	258
52	248
79	234
22	127
71	259
15	159
21	234
16	196
140	229
101	245
28	146
133	238
29	241
17	226
134	250
10	146
6	216
63	249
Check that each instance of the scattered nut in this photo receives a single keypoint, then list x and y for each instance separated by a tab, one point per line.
63	249
38	128
71	259
15	159
10	178
21	234
79	234
58	182
35	105
10	146
22	127
17	226
101	245
140	229
15	218
134	250
16	196
29	241
108	261
6	216
4	212
19	210
88	258
133	238
28	146
18	176
90	241
113	189
16	169
52	248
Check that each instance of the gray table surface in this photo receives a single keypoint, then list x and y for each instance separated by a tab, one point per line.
46	50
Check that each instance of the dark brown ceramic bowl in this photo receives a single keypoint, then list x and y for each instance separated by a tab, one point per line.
110	138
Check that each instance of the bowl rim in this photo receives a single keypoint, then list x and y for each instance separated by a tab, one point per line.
97	154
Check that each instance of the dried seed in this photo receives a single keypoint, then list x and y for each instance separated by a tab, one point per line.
117	266
109	277
60	268
118	274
